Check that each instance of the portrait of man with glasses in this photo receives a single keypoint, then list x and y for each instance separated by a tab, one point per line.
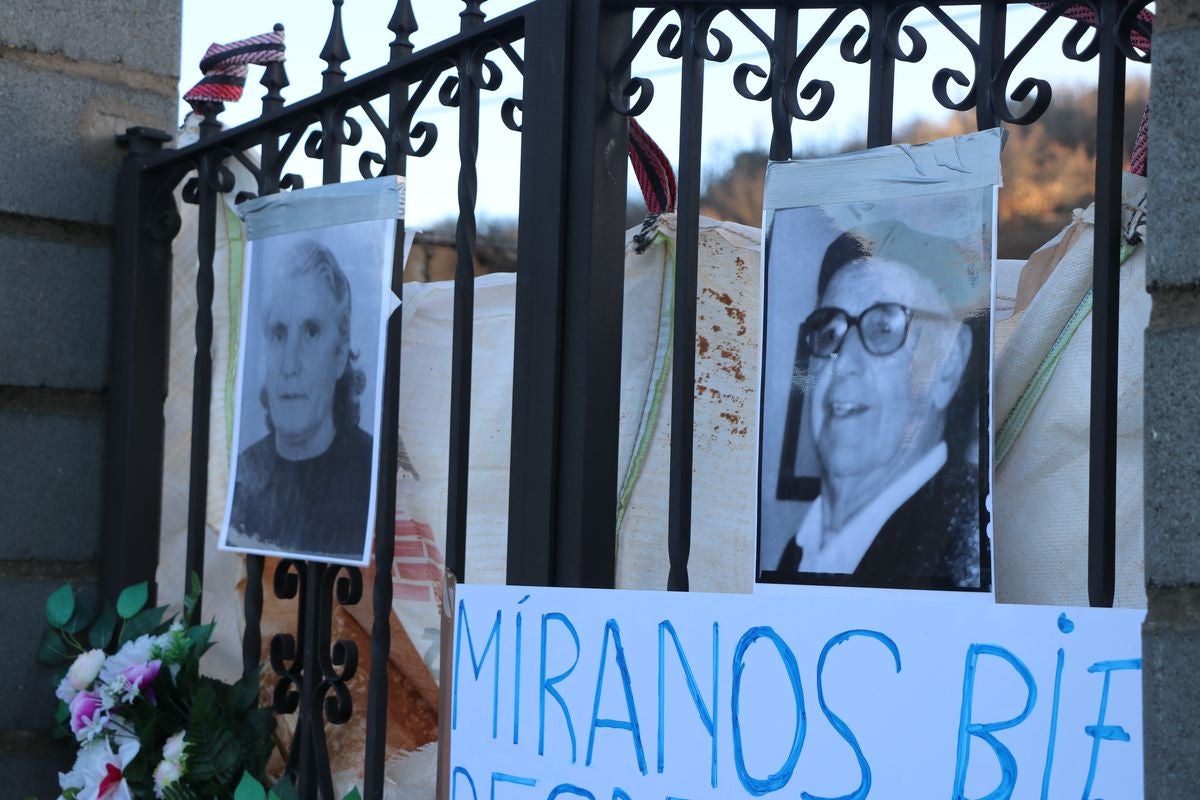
887	402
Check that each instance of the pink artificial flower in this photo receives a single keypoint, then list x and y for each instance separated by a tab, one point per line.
85	710
142	676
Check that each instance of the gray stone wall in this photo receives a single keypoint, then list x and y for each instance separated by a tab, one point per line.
72	76
1171	637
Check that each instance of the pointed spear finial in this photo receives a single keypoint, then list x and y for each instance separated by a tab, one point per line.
404	25
335	52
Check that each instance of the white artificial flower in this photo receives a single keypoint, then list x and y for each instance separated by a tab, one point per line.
134	652
99	771
85	669
111	693
74	778
174	747
126	741
166	773
65	691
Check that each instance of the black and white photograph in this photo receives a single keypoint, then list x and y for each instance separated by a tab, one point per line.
310	371
874	466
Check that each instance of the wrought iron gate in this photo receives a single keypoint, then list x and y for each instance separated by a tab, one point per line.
575	57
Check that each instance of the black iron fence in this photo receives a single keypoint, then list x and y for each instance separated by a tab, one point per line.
575	58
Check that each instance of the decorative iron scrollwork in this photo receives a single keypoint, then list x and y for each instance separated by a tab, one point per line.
508	113
741	75
630	98
1037	92
1134	26
918	47
164	221
287	650
818	90
191	191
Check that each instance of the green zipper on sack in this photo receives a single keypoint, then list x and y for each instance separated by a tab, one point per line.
1015	423
233	230
658	382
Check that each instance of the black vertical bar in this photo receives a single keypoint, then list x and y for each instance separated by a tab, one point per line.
206	233
786	24
403	24
137	378
536	346
313	779
687	242
883	79
274	79
1110	123
464	307
334	54
993	19
469	62
593	278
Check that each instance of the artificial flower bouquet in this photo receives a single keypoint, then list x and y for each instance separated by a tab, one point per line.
147	723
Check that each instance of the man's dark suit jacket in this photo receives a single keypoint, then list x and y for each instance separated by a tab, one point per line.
933	541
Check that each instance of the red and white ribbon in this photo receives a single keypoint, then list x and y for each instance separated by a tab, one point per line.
225	66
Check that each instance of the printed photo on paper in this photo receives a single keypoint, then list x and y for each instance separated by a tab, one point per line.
874	466
310	373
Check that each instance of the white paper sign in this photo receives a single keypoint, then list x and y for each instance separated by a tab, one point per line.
635	695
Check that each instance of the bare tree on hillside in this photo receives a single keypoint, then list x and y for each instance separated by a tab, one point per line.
1049	168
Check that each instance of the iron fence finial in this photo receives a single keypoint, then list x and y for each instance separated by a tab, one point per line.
335	53
472	15
404	25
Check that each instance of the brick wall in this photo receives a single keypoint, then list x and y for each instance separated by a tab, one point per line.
1171	637
72	75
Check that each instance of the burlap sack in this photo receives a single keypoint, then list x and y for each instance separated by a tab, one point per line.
1043	387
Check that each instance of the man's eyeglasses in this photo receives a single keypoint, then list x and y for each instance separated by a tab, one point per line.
883	328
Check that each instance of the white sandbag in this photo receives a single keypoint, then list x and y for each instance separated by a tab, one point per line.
726	383
222	571
725	436
1043	388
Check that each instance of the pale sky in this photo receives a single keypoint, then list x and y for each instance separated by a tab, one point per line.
731	123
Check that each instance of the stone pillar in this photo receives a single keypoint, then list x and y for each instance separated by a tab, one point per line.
72	76
1171	637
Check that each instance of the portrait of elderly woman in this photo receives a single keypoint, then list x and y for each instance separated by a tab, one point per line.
303	487
880	452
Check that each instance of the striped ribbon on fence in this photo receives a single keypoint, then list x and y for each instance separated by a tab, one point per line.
225	66
653	171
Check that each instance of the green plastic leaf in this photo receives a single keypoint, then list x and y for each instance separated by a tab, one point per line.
244	693
353	794
193	595
199	635
249	789
284	790
54	650
60	606
142	623
133	599
84	614
62	713
102	630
